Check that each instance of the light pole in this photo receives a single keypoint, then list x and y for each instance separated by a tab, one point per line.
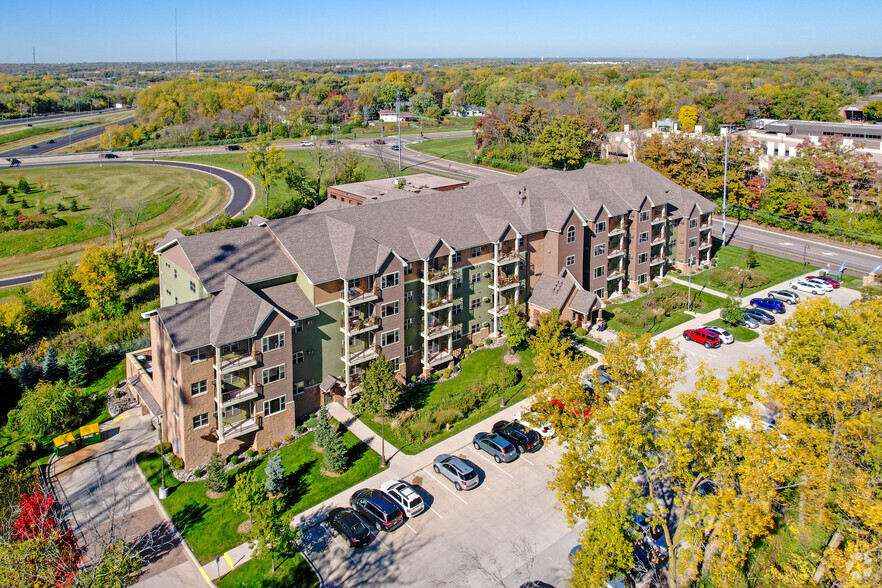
804	250
398	116
163	491
386	406
725	131
689	293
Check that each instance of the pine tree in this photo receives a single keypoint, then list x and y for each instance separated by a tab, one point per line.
76	369
378	386
216	479
322	428
51	369
28	374
335	452
275	474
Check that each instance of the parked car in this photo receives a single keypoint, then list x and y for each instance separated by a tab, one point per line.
769	304
526	440
724	335
585	414
707	338
784	296
233	147
308	143
349	525
835	284
379	141
760	316
810	287
499	447
463	476
111	156
603	376
650	537
404	495
748	321
535	421
377	508
822	283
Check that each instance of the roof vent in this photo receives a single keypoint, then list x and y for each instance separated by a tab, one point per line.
522	195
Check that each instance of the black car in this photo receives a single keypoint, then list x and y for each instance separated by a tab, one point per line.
760	316
233	147
379	141
35	146
377	508
526	440
348	524
13	162
51	141
333	142
111	156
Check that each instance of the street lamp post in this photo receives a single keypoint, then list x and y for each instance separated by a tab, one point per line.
386	407
804	250
163	490
725	131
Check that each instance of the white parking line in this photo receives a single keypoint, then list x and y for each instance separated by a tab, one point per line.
345	550
409	527
486	486
436	512
443	482
377	539
527	460
490	461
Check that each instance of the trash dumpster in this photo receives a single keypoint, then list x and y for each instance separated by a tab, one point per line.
64	444
90	434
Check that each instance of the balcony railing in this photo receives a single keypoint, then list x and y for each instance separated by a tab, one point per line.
243	427
658	218
615	275
360	295
238	361
439	303
504	282
704	244
615	252
439	275
439	330
500	310
360	324
657	260
439	357
616	229
361	356
237	395
507	257
658	239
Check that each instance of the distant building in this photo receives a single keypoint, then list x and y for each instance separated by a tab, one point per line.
392	116
391	188
468	110
855	110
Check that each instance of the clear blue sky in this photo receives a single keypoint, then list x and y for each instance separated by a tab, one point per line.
143	30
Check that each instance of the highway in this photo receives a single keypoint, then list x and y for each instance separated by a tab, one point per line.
61	142
35	120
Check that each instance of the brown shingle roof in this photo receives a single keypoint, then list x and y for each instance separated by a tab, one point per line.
583	301
551	292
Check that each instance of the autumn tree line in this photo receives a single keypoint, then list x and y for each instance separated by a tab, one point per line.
765	476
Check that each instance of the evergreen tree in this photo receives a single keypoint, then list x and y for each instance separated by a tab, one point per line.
28	374
76	369
378	386
11	390
275	474
335	452
323	428
51	369
216	479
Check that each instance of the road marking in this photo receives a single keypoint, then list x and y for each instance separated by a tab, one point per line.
205	575
827	253
377	538
486	486
786	244
229	561
490	461
527	460
121	417
409	527
443	482
436	512
346	551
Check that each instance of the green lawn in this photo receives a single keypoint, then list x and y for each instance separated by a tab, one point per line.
455	149
740	333
292	572
629	316
776	268
210	526
475	369
591	344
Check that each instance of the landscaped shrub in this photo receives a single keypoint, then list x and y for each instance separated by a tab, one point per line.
446	416
289	438
262	451
176	462
735	279
511	376
198	473
311	423
436	376
447	372
653	285
420	429
626	290
466	352
276	444
580	332
643	289
301	430
250	453
234	459
163	448
665	281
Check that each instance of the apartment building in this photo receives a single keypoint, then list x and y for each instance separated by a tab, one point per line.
261	325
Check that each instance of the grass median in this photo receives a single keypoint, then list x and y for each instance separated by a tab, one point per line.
742	334
731	272
454	149
661	309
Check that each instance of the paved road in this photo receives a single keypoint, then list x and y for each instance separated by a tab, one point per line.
34	120
61	142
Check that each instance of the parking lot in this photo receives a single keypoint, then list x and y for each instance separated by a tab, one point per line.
505	531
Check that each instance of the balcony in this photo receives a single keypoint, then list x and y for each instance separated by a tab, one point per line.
439	330
613	253
706	227
436	276
658	219
658	239
361	356
506	258
506	282
439	357
360	325
243	427
615	275
360	295
657	260
439	303
705	244
236	395
616	229
238	361
500	311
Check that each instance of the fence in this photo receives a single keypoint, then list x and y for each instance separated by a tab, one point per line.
128	346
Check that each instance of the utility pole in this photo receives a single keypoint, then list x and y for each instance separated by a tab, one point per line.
398	116
725	131
34	54
176	38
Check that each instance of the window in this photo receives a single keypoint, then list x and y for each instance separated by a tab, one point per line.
389	338
643	237
389	280
408	268
642	258
231	411
271	342
197	388
693	222
457	282
300	387
193	287
167	292
297	327
644	216
457	332
299	356
396	363
476	251
475	303
408	323
167	265
408	351
408	296
273	374
599	271
457	257
693	242
642	278
571	234
571	259
198	354
600	227
176	273
275	405
232	378
600	293
200	420
475	328
475	277
390	309
457	307
600	249
356	283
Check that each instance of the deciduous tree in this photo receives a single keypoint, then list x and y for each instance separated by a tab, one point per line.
514	327
248	493
266	161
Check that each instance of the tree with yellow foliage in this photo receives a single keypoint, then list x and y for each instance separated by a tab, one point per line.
265	161
688	118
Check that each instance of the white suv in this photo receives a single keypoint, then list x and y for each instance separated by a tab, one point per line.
405	496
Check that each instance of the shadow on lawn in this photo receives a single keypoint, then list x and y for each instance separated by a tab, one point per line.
295	482
300	575
416	398
191	514
355	452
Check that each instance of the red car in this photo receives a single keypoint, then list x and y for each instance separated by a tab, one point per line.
585	414
827	279
708	338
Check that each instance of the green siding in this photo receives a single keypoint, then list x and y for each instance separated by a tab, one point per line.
307	288
330	338
174	284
